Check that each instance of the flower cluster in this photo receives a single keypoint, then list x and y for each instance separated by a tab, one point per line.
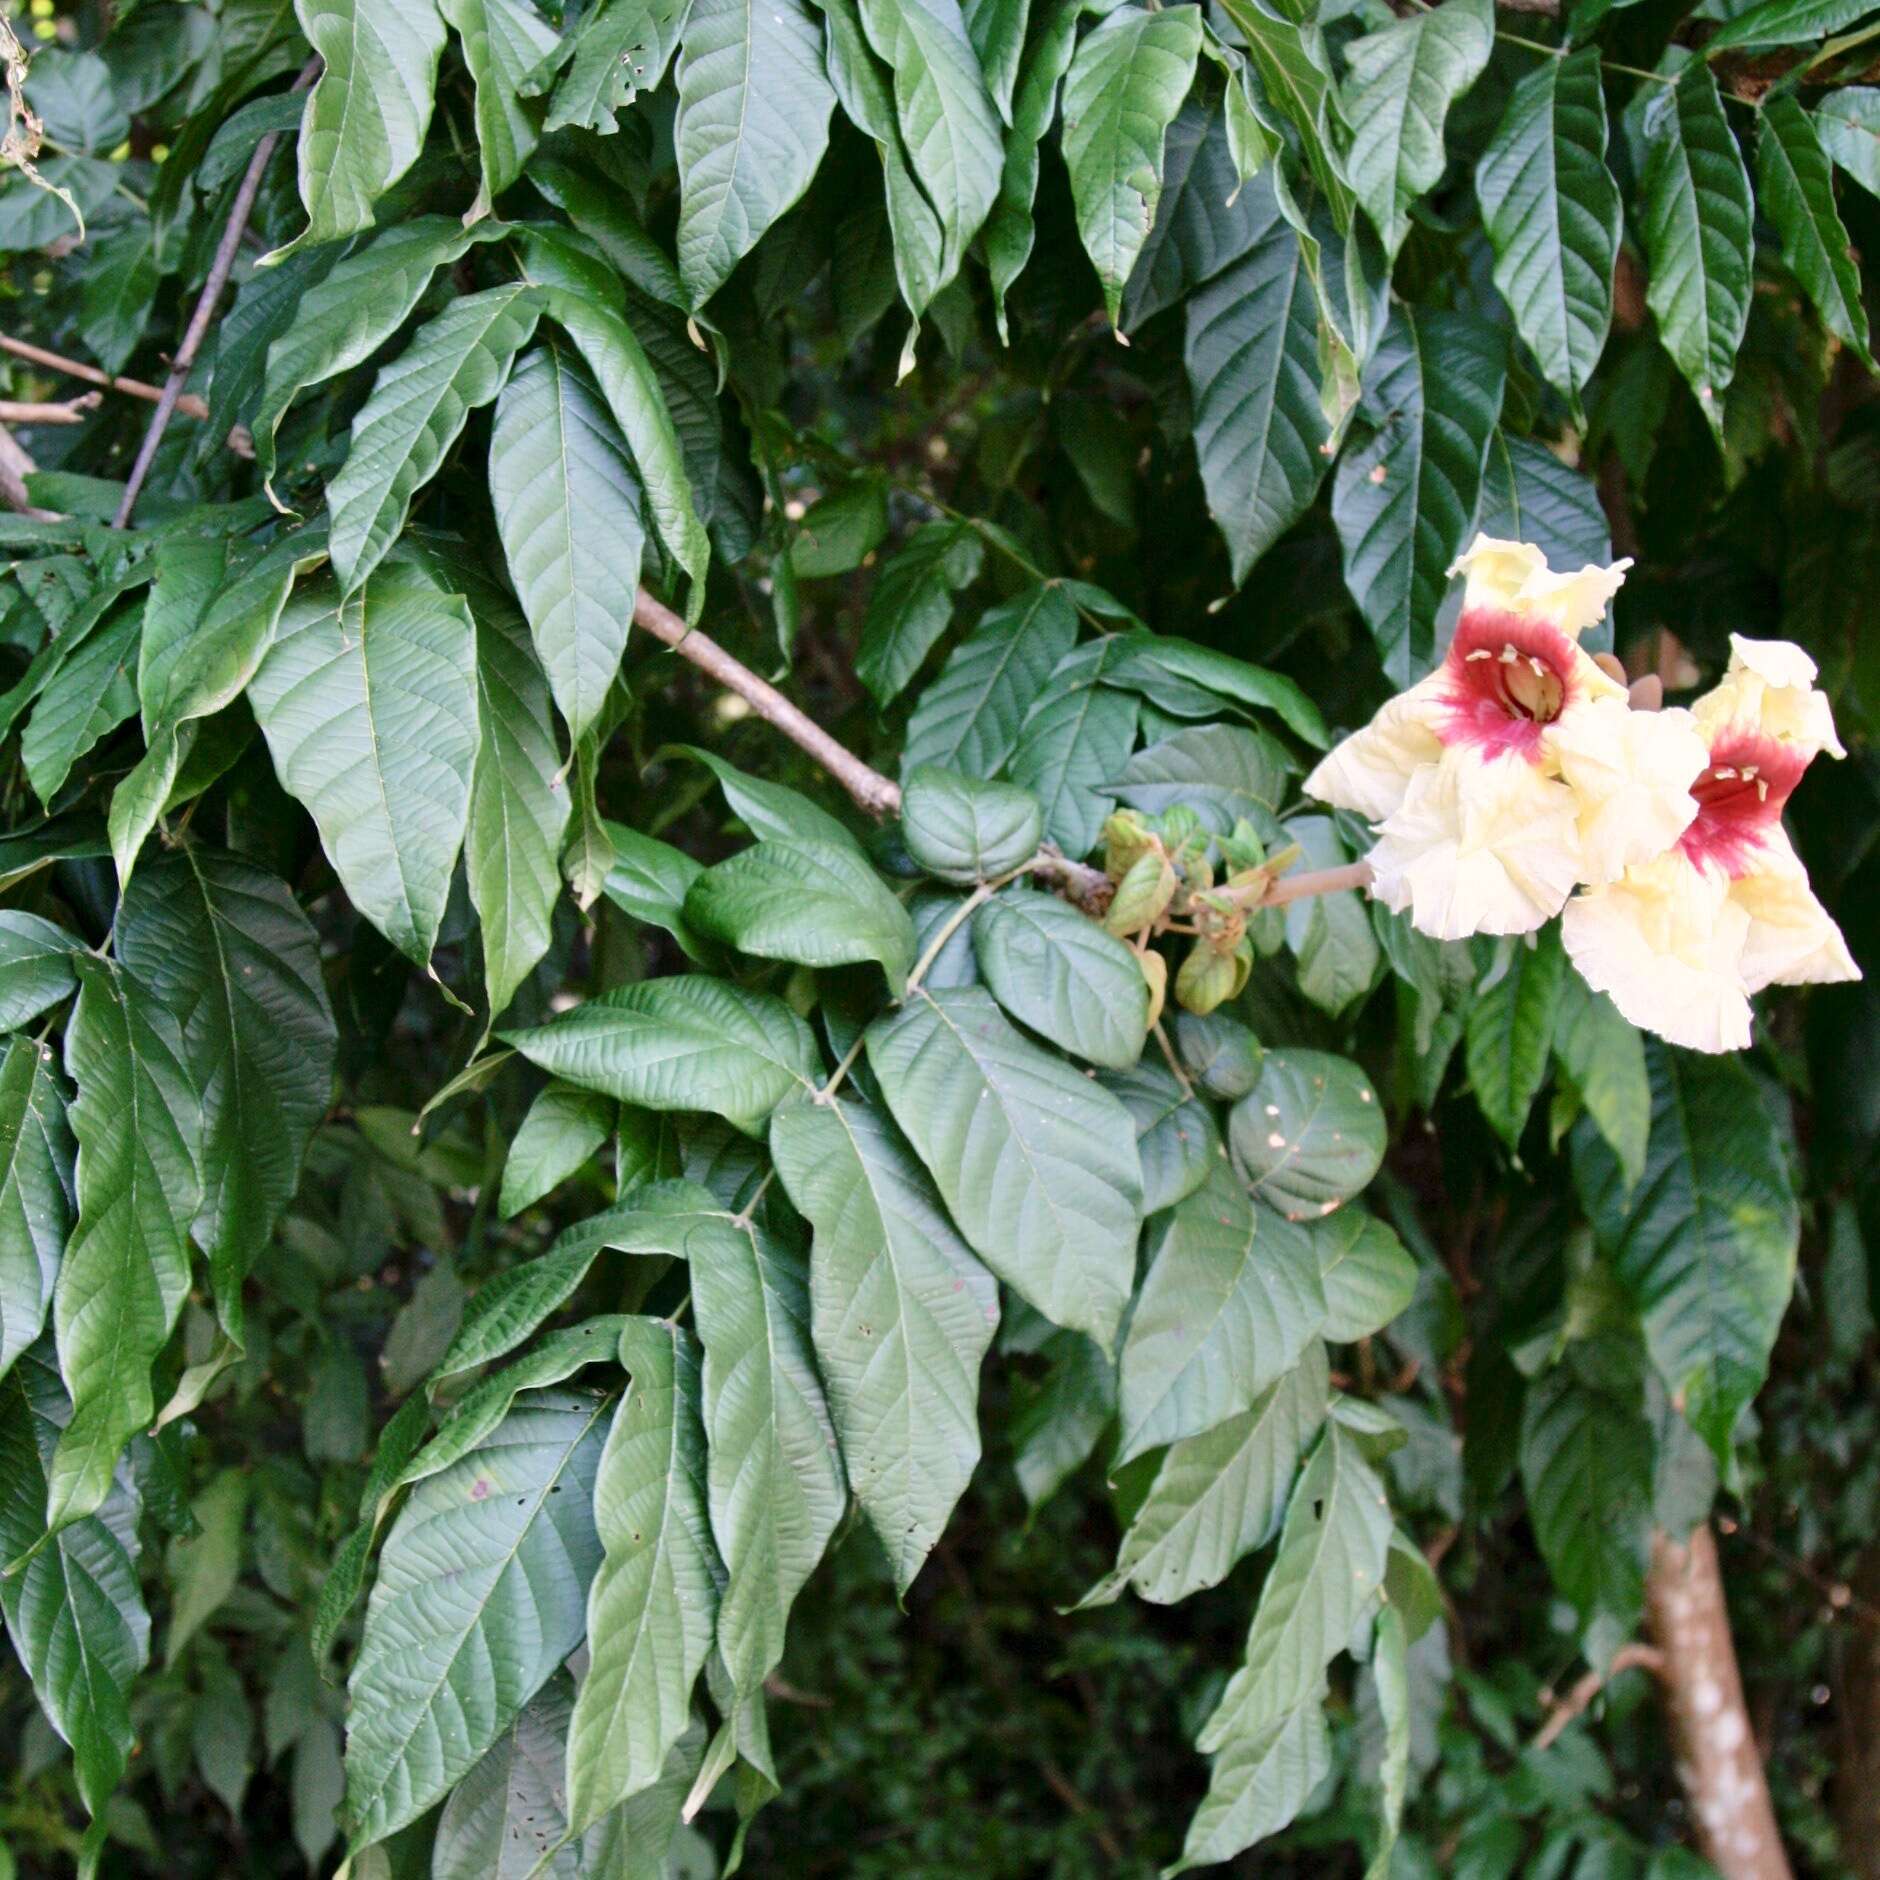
1516	783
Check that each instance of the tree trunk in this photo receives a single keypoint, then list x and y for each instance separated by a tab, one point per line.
1717	1758
1856	1791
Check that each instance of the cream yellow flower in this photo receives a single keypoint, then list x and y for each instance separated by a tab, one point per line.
1631	774
1681	942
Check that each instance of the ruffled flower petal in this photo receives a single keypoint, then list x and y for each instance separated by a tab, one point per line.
1481	845
1666	945
1791	940
1769	692
1632	774
1370	771
1513	577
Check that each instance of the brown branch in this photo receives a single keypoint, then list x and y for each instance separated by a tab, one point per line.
198	327
34	411
187	402
1585	1689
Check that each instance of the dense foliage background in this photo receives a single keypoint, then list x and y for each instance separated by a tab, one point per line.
353	848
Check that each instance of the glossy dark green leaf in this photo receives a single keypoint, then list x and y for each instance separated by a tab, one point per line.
1056	971
963	829
1309	1134
1603	1058
1010	227
1072	742
1176	1137
1795	188
1222	772
503	42
1509	1033
912	604
37	968
35	1196
1784	23
563	1129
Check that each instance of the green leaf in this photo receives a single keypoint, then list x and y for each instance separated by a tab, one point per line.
206	1565
619	51
1408	478
815	903
1295	75
563	1129
85	699
653	1602
72	94
1219	1495
1222	772
1309	1134
1038	1166
1010	228
1252	354
842	530
1056	971
126	1268
1176	1139
225	948
968	718
1697	234
1327	1572
965	830
911	604
1183	662
901	1315
774	1475
518	805
1529	495
1219	1052
568	511
997	30
1795	188
1603	1058
1074	739
37	967
370	107
650	879
1552	213
1330	935
35	1200
1784	23
950	126
1123	90
507	1818
1367	1275
1402	82
1706	1242
369	707
1848	125
753	124
75	1611
1509	1033
1586	1465
503	42
1262	1778
345	318
685	1043
1390	1672
1057	1421
117	295
1231	1300
771	811
418	407
481	1593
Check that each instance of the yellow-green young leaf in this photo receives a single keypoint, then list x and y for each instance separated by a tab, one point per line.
503	42
963	829
568	511
38	967
224	945
1402	82
138	1122
968	718
753	124
344	319
1308	1135
1219	1495
1552	214
417	409
1706	1243
481	1593
948	122
1056	971
519	803
1123	90
911	604
1796	192
1697	235
1037	1164
1073	743
563	1129
1367	1274
1231	1300
1603	1058
1176	1138
813	903
369	708
35	1195
75	1611
370	108
654	1600
774	1475
507	1819
901	1316
685	1043
1408	479
1508	1034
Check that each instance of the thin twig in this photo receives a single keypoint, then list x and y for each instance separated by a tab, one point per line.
16	465
36	411
1317	881
1627	1658
187	402
198	327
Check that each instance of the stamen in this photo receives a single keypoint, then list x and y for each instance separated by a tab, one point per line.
1481	652
1762	790
1509	655
1540	671
1723	773
1749	773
